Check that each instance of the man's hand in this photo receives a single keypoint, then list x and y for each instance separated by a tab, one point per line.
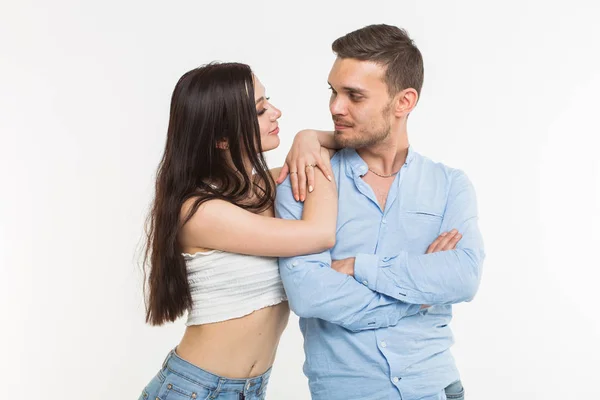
446	241
345	266
305	155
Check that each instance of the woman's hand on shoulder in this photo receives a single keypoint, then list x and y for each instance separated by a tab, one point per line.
304	157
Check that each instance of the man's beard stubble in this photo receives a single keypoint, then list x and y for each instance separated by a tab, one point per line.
364	137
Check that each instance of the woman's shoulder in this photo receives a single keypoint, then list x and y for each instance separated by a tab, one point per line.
206	205
275	172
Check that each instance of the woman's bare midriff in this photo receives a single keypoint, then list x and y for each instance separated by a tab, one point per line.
238	348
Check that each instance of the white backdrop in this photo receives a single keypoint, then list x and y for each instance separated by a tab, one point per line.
510	97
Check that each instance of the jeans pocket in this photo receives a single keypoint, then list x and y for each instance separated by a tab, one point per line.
150	392
455	391
178	388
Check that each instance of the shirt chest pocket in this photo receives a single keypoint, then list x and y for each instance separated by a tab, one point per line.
420	228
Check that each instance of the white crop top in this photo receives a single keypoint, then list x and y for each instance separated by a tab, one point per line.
228	285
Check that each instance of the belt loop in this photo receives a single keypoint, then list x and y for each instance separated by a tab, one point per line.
259	391
164	364
218	389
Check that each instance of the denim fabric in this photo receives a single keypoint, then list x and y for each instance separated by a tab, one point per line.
179	380
455	391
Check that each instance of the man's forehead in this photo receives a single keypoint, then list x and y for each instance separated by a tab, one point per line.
345	71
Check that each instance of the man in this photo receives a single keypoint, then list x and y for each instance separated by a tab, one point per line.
375	322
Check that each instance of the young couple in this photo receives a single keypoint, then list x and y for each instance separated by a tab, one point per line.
369	248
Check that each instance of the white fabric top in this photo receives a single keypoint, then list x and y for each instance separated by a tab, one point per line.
228	285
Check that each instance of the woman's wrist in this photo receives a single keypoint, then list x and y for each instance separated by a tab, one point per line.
325	138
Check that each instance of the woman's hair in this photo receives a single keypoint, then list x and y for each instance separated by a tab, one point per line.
212	107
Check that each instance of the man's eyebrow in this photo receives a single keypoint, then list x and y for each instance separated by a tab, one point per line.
351	89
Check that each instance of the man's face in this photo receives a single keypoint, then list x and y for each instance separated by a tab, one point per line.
360	104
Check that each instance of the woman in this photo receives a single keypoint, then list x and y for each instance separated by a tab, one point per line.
213	238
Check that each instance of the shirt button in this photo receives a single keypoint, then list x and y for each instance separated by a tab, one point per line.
365	283
295	264
395	379
383	221
383	344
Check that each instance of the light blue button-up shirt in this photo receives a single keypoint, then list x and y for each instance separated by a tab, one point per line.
366	337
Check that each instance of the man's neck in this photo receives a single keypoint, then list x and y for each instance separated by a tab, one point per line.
388	156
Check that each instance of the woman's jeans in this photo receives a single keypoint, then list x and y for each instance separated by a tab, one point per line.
179	380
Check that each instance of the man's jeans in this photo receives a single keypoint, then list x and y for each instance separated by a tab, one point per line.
455	391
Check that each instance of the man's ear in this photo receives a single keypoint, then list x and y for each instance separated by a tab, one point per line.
405	102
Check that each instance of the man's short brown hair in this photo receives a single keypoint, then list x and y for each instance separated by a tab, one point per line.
390	47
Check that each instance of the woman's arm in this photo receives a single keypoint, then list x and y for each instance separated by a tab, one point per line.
326	138
220	225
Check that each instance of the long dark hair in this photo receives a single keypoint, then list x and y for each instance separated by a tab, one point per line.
210	105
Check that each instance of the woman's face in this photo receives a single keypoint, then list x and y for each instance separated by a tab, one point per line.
268	115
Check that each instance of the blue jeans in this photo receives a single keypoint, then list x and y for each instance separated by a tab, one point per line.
179	380
455	391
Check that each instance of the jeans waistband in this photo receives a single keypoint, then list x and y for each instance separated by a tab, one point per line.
177	365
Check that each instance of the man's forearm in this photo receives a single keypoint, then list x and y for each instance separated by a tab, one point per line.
315	290
446	277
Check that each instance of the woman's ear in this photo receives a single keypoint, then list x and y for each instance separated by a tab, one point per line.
223	144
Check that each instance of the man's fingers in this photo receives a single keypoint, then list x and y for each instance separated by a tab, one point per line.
436	243
451	245
445	240
433	245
